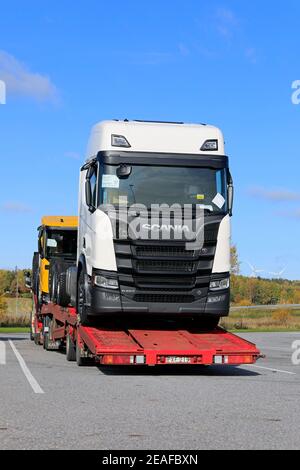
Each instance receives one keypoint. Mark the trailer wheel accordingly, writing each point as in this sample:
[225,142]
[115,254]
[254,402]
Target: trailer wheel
[31,330]
[70,349]
[37,339]
[46,342]
[81,300]
[47,322]
[81,361]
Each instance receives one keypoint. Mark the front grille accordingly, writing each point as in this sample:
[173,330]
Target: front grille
[164,271]
[163,251]
[163,298]
[211,235]
[162,265]
[163,283]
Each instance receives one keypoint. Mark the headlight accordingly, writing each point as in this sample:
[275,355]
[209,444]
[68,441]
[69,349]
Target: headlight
[107,283]
[220,284]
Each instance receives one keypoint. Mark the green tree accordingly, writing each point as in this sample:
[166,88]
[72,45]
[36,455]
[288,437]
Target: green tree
[22,289]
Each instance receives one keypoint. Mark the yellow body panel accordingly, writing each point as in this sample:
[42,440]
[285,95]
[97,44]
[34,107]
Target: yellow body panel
[44,276]
[60,221]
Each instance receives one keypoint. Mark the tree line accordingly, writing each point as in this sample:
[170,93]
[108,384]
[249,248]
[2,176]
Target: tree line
[9,279]
[258,291]
[244,290]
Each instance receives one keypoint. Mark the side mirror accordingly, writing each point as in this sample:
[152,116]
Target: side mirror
[230,193]
[28,281]
[88,196]
[124,171]
[230,198]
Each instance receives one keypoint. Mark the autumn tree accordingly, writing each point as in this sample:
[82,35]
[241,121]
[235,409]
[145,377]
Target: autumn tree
[234,260]
[6,278]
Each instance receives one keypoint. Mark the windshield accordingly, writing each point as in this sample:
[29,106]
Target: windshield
[61,243]
[149,185]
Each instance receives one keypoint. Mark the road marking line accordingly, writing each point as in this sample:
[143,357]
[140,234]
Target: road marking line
[277,349]
[34,385]
[273,370]
[2,353]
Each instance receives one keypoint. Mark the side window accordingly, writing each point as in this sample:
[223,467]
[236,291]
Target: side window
[41,241]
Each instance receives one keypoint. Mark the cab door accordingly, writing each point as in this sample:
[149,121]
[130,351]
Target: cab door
[44,262]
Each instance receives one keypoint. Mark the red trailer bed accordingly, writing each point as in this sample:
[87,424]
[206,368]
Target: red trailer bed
[167,346]
[152,346]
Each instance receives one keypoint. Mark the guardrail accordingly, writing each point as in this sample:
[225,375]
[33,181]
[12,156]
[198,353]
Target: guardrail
[266,307]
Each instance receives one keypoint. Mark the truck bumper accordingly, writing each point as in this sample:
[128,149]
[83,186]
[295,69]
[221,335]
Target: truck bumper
[105,302]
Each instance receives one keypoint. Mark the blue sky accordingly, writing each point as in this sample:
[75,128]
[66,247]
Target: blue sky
[70,64]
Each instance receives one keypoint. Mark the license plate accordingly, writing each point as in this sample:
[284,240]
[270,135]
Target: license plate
[178,360]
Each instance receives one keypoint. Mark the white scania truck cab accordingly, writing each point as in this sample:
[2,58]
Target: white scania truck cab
[154,269]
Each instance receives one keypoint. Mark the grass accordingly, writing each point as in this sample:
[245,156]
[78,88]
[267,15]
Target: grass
[24,306]
[240,321]
[263,320]
[18,329]
[12,319]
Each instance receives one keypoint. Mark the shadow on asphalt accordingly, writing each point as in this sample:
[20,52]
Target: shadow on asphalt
[207,371]
[168,370]
[12,338]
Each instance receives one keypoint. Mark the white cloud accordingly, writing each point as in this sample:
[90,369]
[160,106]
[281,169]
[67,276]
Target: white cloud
[227,22]
[290,214]
[279,195]
[20,80]
[14,207]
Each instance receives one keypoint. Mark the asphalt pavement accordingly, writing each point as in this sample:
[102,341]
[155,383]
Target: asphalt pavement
[49,403]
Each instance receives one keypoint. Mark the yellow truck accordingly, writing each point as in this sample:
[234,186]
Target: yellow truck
[57,249]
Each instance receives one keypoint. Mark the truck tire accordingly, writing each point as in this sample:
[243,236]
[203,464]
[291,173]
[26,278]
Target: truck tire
[70,349]
[38,293]
[53,285]
[63,298]
[35,271]
[58,266]
[81,300]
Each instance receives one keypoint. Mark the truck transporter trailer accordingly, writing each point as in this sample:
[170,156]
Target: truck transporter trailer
[151,278]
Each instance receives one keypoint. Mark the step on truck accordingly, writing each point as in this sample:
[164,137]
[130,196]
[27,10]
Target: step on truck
[152,277]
